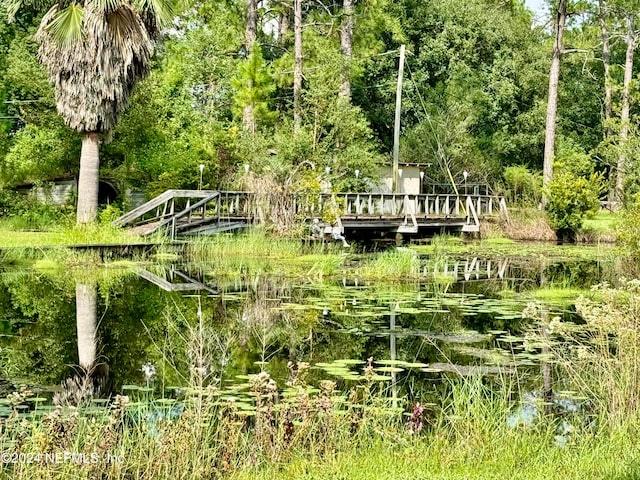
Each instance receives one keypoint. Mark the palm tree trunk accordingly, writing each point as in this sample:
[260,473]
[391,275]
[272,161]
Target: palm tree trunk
[626,104]
[88,181]
[552,103]
[86,310]
[297,68]
[346,45]
[248,118]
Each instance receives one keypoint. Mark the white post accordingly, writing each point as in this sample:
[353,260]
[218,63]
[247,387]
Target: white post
[396,130]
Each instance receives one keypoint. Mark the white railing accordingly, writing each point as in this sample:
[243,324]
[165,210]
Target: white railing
[389,204]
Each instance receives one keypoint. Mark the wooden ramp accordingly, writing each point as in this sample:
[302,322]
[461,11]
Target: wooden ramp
[175,281]
[190,212]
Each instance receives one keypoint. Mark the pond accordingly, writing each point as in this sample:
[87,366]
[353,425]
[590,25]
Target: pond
[160,328]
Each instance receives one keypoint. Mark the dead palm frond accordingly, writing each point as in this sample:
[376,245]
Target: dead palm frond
[94,54]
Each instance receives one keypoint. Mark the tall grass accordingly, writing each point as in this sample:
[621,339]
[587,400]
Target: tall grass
[301,432]
[254,253]
[66,234]
[392,264]
[603,357]
[529,224]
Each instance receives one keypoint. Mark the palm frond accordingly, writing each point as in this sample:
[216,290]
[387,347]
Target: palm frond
[93,78]
[65,25]
[12,7]
[161,10]
[108,5]
[126,27]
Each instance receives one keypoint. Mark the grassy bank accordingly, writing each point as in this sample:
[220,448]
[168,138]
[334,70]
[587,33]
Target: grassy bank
[531,224]
[521,456]
[66,235]
[304,433]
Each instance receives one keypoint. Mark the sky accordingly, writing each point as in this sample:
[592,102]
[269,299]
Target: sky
[538,6]
[540,10]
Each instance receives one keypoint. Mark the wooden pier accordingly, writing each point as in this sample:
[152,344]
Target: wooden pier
[202,212]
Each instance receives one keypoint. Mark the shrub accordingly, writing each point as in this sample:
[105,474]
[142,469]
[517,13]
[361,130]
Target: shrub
[26,212]
[109,213]
[570,199]
[628,230]
[523,187]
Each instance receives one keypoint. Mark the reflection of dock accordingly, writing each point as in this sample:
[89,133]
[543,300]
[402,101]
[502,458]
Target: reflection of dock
[471,269]
[175,281]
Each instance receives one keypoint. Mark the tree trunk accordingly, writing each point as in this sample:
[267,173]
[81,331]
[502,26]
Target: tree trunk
[248,118]
[86,316]
[252,24]
[297,69]
[346,45]
[606,61]
[88,181]
[626,104]
[283,29]
[552,103]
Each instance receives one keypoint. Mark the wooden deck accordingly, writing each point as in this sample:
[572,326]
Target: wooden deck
[205,212]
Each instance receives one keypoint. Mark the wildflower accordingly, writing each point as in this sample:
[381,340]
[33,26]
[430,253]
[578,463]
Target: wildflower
[368,370]
[415,423]
[149,371]
[121,401]
[531,311]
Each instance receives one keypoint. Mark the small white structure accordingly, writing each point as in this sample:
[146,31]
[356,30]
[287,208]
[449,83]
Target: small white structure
[409,179]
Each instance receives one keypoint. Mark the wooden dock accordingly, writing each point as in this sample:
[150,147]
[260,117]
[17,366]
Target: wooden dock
[362,215]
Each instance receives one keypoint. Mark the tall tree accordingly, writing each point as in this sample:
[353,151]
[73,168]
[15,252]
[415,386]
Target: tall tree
[606,61]
[552,100]
[631,40]
[248,118]
[346,45]
[297,66]
[283,22]
[95,51]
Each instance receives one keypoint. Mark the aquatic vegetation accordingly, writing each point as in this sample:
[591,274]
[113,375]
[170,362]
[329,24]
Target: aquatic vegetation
[560,295]
[292,361]
[602,357]
[260,429]
[399,263]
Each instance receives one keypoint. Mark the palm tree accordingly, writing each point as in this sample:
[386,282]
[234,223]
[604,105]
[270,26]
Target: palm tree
[94,52]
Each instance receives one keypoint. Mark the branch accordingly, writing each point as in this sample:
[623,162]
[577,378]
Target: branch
[326,9]
[575,50]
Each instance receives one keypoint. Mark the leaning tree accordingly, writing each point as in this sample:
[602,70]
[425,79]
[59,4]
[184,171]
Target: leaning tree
[94,52]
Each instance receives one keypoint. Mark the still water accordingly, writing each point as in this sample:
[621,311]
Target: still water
[162,327]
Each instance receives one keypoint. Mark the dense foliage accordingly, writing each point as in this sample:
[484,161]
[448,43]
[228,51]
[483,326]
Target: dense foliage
[474,98]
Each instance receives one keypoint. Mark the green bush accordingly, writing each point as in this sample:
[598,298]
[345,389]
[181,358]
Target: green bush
[27,213]
[109,213]
[628,230]
[571,198]
[522,186]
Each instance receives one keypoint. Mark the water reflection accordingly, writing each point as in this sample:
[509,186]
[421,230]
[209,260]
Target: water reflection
[89,379]
[196,327]
[87,323]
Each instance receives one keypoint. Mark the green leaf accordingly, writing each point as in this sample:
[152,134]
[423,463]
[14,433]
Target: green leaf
[66,25]
[162,10]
